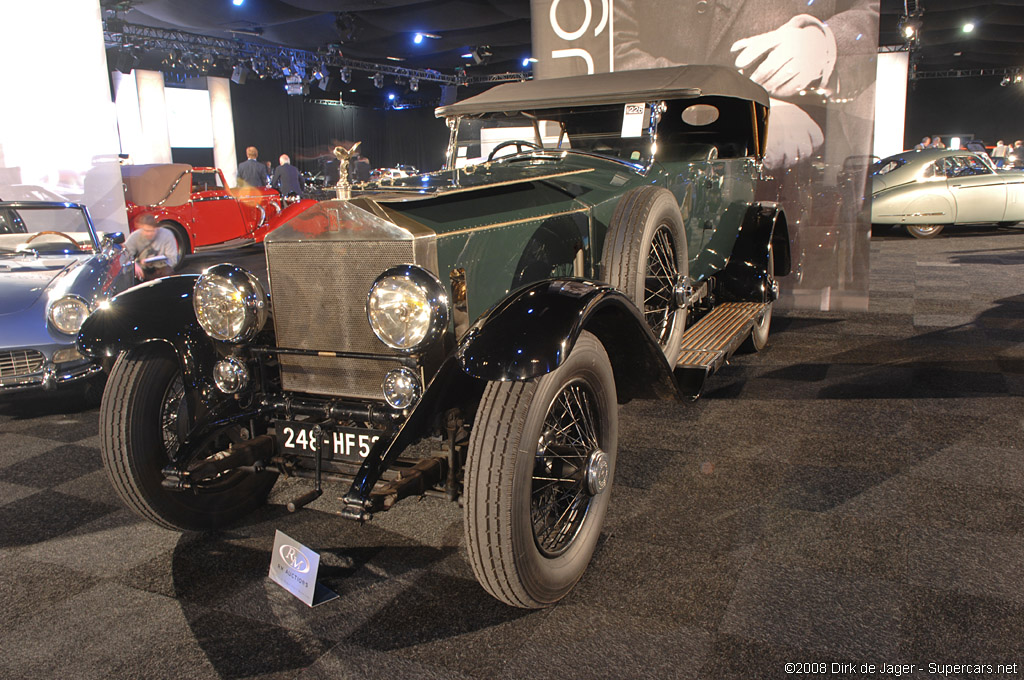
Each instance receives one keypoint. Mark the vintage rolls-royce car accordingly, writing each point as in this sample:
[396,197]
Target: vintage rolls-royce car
[200,209]
[927,190]
[54,269]
[606,246]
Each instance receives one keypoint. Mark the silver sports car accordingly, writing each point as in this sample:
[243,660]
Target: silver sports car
[928,189]
[54,270]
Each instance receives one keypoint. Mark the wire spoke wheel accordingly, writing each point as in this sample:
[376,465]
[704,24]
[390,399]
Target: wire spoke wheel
[144,419]
[559,498]
[173,416]
[645,257]
[659,284]
[538,477]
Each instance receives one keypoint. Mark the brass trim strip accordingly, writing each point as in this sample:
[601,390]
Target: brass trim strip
[539,178]
[482,227]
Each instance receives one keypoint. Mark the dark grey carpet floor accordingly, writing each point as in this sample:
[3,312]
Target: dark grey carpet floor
[854,494]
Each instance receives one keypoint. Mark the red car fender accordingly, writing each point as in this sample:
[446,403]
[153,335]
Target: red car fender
[283,216]
[180,214]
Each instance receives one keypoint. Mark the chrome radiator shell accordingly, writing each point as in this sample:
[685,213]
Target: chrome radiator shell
[320,270]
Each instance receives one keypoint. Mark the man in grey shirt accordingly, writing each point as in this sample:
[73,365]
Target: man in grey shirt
[153,249]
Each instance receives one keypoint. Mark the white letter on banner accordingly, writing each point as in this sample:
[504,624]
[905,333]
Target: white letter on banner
[575,52]
[562,33]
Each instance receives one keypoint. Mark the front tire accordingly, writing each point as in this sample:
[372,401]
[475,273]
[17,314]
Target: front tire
[142,417]
[924,230]
[644,256]
[538,478]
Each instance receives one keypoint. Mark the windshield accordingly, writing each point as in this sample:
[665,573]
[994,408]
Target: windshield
[44,230]
[605,130]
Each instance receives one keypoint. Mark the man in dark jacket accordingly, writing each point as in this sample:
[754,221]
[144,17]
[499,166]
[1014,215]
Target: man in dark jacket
[252,173]
[286,177]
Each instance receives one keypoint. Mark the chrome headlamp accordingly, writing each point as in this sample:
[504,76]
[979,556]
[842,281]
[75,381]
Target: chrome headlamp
[407,308]
[230,303]
[67,314]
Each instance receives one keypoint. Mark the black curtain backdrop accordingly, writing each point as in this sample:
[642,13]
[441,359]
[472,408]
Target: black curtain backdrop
[276,123]
[977,107]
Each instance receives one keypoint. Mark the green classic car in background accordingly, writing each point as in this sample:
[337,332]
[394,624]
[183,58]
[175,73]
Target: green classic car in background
[927,190]
[591,240]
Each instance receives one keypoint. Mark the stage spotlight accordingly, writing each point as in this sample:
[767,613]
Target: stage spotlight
[237,3]
[910,26]
[418,38]
[346,74]
[414,84]
[391,96]
[378,80]
[968,27]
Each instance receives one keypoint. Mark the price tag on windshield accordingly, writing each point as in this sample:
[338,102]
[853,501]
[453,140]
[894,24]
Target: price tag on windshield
[633,120]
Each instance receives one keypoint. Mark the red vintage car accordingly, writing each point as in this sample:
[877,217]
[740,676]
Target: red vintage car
[197,205]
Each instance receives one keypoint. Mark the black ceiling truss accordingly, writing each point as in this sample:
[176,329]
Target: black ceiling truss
[199,53]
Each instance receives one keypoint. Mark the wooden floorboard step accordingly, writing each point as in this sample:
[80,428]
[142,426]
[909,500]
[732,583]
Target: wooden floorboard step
[708,342]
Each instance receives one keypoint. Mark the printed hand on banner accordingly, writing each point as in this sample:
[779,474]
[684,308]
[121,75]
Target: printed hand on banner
[796,55]
[793,136]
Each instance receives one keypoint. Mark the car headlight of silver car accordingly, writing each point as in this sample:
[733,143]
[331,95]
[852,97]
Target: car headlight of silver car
[230,303]
[407,308]
[67,314]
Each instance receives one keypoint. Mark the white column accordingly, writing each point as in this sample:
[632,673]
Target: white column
[129,123]
[890,102]
[156,145]
[224,155]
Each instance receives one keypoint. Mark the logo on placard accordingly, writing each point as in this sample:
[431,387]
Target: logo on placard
[294,558]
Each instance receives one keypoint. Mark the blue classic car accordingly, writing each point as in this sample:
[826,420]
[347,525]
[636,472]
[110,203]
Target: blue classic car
[54,270]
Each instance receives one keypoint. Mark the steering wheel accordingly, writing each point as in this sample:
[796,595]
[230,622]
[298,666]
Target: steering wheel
[33,237]
[520,144]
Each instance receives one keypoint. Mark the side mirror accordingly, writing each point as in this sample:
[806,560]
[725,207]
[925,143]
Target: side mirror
[116,238]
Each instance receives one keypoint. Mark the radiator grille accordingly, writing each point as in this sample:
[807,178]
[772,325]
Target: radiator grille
[20,362]
[319,300]
[337,377]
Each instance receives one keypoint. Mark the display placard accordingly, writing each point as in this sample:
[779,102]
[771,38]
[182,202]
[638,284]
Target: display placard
[633,120]
[293,566]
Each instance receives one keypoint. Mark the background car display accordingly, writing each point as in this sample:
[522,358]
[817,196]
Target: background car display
[501,310]
[54,270]
[197,205]
[927,190]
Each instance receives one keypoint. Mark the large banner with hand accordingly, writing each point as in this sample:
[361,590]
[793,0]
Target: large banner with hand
[817,60]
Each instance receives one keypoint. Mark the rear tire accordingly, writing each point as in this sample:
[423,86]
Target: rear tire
[924,230]
[184,247]
[538,478]
[758,338]
[644,254]
[142,416]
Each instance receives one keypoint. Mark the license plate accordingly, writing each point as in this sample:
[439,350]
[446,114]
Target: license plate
[333,442]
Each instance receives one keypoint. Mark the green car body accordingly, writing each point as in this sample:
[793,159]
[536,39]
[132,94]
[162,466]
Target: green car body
[501,305]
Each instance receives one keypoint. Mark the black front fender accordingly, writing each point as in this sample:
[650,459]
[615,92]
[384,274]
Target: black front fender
[532,331]
[158,311]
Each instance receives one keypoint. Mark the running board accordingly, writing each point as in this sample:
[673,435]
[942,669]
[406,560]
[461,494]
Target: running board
[233,243]
[712,340]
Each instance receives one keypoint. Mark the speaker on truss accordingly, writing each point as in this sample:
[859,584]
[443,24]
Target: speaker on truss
[239,74]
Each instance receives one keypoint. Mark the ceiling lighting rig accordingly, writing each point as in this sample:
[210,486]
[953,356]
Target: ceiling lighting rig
[267,61]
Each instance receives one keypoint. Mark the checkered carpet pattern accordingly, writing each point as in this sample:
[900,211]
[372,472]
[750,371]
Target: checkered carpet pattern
[853,494]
